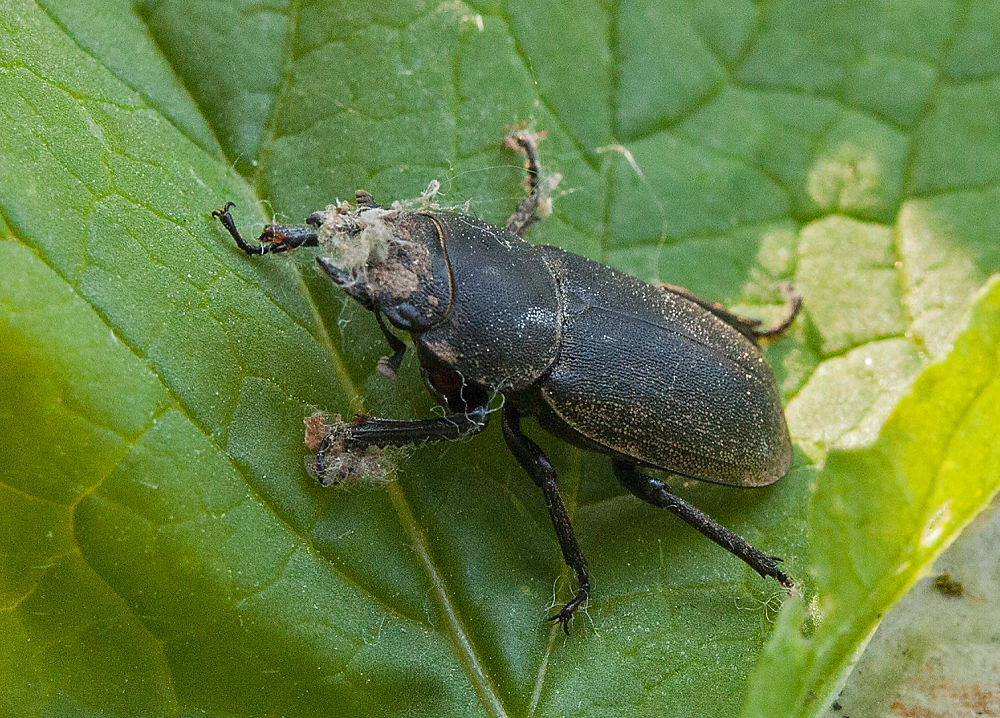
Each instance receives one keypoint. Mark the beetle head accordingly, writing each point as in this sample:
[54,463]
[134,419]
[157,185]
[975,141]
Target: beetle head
[390,260]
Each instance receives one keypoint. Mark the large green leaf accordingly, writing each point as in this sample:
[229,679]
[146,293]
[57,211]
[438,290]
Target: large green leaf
[937,650]
[162,549]
[885,510]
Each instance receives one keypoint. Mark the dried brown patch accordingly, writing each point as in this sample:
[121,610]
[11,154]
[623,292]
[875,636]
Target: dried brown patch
[932,693]
[316,430]
[343,466]
[951,700]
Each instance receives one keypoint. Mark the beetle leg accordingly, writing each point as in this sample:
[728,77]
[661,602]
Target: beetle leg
[525,214]
[372,431]
[538,466]
[275,237]
[656,492]
[750,328]
[389,366]
[794,300]
[365,431]
[744,325]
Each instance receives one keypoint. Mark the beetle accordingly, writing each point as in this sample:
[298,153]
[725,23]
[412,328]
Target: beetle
[653,376]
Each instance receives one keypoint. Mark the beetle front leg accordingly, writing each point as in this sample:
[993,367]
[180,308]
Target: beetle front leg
[656,492]
[365,431]
[526,142]
[389,366]
[538,466]
[275,237]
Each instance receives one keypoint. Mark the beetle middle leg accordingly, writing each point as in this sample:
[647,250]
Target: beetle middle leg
[537,464]
[389,366]
[656,492]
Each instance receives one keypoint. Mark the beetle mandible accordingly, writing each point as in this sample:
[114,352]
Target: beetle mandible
[653,376]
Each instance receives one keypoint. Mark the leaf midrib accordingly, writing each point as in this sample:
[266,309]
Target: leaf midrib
[473,666]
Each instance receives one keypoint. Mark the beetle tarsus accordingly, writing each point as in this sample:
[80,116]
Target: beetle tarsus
[567,611]
[656,492]
[794,303]
[539,468]
[274,239]
[321,468]
[527,142]
[226,218]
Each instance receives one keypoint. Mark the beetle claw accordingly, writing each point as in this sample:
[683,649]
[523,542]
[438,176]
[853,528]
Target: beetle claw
[780,576]
[567,611]
[564,620]
[562,617]
[767,567]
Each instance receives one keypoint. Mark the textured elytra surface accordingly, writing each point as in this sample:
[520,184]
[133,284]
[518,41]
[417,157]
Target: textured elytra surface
[682,390]
[158,528]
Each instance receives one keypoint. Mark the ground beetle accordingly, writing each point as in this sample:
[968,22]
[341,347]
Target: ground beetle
[651,375]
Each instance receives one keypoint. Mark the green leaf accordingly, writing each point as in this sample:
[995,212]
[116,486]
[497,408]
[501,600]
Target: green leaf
[937,648]
[163,550]
[934,465]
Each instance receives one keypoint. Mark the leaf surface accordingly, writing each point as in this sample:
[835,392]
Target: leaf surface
[159,530]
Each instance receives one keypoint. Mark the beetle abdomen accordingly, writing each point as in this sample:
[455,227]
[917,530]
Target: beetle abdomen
[650,375]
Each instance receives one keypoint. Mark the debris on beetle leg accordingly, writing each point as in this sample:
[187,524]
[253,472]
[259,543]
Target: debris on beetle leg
[525,139]
[316,430]
[546,186]
[337,465]
[386,367]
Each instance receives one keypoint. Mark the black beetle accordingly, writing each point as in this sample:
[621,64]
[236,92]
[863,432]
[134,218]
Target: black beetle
[651,375]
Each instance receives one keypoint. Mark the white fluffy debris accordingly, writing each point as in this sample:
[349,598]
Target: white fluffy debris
[353,237]
[341,466]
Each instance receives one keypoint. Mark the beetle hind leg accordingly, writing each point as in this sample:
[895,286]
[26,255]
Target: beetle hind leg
[794,304]
[537,464]
[656,492]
